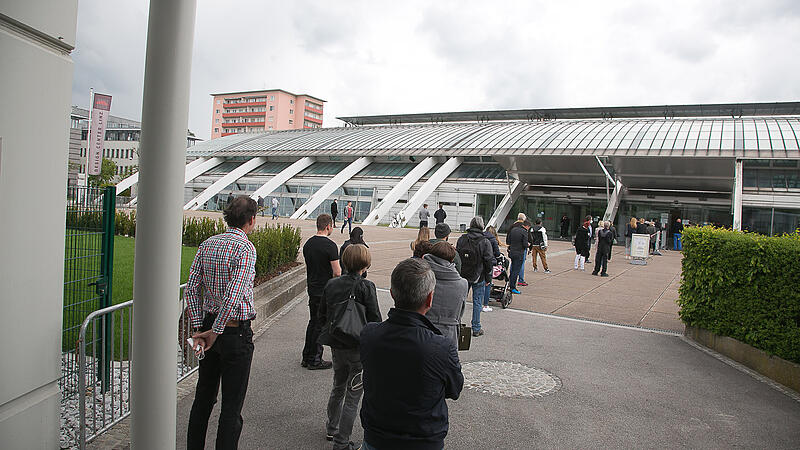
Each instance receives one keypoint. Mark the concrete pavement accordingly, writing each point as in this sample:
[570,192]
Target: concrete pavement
[620,388]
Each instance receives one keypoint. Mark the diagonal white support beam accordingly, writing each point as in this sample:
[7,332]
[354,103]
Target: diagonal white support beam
[605,171]
[193,170]
[383,208]
[416,201]
[223,182]
[133,179]
[613,201]
[335,183]
[285,175]
[506,203]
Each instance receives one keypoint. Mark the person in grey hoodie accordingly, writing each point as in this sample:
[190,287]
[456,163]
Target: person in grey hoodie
[450,292]
[424,214]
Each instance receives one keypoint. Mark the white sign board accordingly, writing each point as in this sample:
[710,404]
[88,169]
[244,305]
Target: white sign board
[640,245]
[97,132]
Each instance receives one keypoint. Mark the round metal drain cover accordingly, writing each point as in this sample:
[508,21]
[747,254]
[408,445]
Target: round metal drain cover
[509,379]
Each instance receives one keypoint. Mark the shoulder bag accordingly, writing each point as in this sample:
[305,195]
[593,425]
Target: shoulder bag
[348,319]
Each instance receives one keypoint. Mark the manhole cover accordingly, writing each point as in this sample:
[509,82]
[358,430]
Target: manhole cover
[508,379]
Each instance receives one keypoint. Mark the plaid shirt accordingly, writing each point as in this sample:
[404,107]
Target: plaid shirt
[225,265]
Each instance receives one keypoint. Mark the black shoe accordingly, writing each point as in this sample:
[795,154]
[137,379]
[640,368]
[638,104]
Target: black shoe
[303,364]
[603,274]
[321,366]
[594,273]
[352,446]
[478,333]
[328,437]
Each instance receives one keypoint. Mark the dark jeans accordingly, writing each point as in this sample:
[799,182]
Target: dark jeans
[333,216]
[600,261]
[423,223]
[229,360]
[349,222]
[516,266]
[312,351]
[343,402]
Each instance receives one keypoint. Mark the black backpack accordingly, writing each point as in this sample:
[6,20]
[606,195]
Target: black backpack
[471,262]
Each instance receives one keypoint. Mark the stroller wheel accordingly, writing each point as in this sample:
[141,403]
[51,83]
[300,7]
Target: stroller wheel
[506,300]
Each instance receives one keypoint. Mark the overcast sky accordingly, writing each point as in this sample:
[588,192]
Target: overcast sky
[384,57]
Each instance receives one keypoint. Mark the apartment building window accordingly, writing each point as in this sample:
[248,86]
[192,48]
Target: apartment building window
[291,121]
[270,118]
[216,130]
[218,102]
[217,111]
[272,98]
[291,111]
[216,120]
[270,127]
[271,108]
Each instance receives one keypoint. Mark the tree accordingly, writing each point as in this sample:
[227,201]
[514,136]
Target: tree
[107,172]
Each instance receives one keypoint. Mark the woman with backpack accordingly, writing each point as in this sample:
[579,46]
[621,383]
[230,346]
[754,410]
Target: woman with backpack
[344,398]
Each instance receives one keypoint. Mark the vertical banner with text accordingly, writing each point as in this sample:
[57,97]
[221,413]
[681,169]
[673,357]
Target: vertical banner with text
[101,105]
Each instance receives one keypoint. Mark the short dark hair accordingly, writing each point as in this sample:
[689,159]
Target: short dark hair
[441,231]
[412,281]
[526,223]
[323,220]
[538,221]
[239,211]
[444,250]
[421,248]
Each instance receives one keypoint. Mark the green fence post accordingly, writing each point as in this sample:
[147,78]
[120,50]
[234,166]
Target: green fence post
[107,273]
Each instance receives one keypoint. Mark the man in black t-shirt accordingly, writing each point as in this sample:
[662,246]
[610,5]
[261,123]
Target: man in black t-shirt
[322,264]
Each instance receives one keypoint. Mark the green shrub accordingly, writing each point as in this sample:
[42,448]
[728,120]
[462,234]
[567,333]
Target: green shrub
[196,230]
[745,286]
[275,246]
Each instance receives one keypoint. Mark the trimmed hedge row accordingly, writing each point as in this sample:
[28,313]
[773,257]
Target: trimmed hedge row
[745,286]
[275,246]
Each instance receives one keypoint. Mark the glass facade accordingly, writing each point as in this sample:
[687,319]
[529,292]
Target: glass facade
[770,221]
[781,174]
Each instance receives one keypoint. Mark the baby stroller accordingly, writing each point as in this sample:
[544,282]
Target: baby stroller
[501,292]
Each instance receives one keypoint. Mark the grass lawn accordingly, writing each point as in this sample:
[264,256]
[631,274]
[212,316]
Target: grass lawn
[122,290]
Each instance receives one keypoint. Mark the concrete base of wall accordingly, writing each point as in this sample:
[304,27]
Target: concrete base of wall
[268,298]
[784,372]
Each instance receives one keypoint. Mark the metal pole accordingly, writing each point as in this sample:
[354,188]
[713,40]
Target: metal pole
[165,114]
[737,195]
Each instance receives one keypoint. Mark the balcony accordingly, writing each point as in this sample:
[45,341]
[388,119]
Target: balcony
[243,124]
[244,114]
[312,119]
[314,110]
[243,104]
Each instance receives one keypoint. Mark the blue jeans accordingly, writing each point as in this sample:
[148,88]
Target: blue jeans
[478,289]
[348,222]
[487,295]
[676,242]
[522,268]
[274,212]
[516,264]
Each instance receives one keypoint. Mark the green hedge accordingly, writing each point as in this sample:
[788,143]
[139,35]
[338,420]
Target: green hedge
[275,246]
[743,285]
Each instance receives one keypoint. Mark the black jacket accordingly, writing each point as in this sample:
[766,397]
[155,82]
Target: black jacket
[678,228]
[487,255]
[336,291]
[517,239]
[605,239]
[582,239]
[440,215]
[334,209]
[495,246]
[409,369]
[641,228]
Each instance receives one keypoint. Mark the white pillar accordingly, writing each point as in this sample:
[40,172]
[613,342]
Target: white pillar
[231,177]
[506,203]
[284,176]
[737,196]
[418,199]
[375,216]
[165,116]
[326,190]
[613,201]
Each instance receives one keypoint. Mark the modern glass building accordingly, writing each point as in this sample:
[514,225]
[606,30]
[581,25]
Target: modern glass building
[726,164]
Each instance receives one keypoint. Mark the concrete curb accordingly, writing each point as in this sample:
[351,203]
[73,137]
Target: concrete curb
[268,298]
[777,369]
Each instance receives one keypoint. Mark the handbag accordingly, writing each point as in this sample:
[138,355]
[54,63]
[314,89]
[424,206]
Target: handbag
[349,319]
[464,336]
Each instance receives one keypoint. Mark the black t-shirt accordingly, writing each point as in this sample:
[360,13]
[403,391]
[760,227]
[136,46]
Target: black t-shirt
[318,252]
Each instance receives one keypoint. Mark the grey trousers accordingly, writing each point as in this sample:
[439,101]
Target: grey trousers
[343,403]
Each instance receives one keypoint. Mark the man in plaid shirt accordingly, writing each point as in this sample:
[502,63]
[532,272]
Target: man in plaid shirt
[219,295]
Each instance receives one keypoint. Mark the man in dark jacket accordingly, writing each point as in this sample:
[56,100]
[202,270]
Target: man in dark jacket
[440,215]
[477,260]
[409,368]
[517,241]
[334,212]
[604,241]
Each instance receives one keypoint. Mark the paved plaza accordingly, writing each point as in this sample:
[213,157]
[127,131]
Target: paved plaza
[536,381]
[632,295]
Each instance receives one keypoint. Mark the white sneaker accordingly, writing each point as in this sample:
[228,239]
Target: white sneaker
[487,309]
[547,271]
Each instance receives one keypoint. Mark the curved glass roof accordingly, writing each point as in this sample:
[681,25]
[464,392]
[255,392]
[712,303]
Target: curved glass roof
[749,137]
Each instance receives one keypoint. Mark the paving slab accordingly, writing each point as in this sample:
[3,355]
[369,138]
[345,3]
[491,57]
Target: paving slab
[618,388]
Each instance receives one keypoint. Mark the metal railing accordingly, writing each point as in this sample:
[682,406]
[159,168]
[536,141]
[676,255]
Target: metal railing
[104,390]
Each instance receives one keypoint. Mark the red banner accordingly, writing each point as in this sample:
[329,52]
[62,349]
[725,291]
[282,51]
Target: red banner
[97,133]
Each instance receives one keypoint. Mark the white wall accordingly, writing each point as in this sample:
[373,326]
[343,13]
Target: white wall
[35,85]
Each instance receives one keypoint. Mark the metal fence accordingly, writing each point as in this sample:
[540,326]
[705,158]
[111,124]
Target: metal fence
[88,269]
[107,334]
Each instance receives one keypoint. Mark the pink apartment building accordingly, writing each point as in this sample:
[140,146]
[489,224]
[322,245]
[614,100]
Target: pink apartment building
[253,111]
